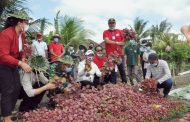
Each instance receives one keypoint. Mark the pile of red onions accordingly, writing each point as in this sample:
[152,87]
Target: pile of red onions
[115,103]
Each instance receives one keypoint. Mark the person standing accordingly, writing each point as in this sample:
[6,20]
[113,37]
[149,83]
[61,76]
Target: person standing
[56,48]
[132,60]
[114,42]
[39,47]
[159,70]
[146,53]
[12,40]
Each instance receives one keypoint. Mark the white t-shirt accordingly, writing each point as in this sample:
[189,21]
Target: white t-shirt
[20,43]
[29,79]
[82,75]
[145,57]
[39,48]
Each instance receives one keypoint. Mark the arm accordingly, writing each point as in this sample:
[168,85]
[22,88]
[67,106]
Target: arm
[5,48]
[108,41]
[97,70]
[186,31]
[26,82]
[51,51]
[42,78]
[46,50]
[167,74]
[139,60]
[125,56]
[63,51]
[81,68]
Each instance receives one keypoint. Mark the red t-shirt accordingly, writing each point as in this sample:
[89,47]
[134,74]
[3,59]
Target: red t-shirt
[57,49]
[117,36]
[99,61]
[9,48]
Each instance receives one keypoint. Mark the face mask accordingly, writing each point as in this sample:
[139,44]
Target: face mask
[154,65]
[112,27]
[148,48]
[68,69]
[99,54]
[56,40]
[26,28]
[71,48]
[82,50]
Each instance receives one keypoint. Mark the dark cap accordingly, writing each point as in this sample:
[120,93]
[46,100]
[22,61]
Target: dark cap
[111,20]
[153,57]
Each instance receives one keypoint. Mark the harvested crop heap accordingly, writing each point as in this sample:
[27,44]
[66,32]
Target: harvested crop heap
[115,103]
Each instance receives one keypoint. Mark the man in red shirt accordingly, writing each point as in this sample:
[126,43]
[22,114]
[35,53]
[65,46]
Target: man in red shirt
[56,48]
[114,41]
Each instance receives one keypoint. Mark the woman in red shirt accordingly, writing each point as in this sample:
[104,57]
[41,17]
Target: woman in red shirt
[12,40]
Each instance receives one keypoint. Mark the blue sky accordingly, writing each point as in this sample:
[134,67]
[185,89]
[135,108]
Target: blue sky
[96,13]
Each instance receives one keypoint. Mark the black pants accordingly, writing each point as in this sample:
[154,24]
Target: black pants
[112,77]
[85,83]
[9,89]
[144,73]
[121,69]
[30,103]
[167,85]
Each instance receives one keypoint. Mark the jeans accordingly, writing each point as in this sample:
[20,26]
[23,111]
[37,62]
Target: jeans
[167,85]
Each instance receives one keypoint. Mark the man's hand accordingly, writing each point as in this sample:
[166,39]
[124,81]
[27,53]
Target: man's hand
[50,86]
[87,67]
[120,43]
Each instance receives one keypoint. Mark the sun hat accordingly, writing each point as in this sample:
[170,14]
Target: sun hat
[66,60]
[56,36]
[89,52]
[20,15]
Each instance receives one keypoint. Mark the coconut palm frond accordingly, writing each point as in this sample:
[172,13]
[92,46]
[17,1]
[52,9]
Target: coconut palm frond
[38,63]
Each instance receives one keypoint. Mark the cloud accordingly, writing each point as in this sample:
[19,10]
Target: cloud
[96,13]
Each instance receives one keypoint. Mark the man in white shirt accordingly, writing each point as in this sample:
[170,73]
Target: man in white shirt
[159,70]
[39,47]
[87,70]
[148,50]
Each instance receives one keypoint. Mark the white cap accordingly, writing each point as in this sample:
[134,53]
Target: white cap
[88,52]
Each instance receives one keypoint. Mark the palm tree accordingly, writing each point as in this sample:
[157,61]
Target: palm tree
[9,6]
[56,22]
[139,27]
[71,30]
[157,30]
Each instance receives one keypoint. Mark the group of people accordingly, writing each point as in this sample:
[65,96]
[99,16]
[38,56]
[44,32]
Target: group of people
[90,62]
